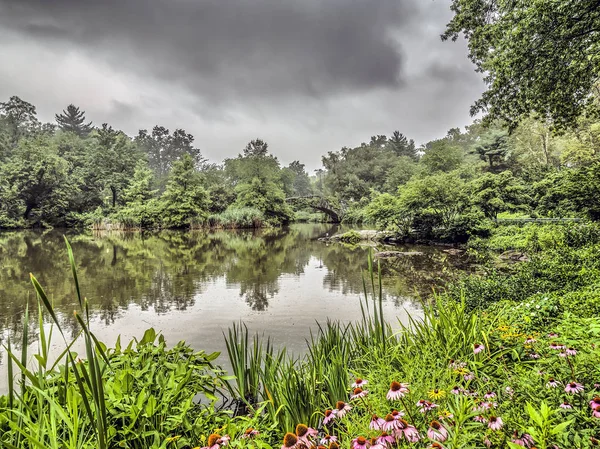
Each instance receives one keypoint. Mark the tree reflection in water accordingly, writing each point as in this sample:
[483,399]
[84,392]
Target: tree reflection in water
[169,271]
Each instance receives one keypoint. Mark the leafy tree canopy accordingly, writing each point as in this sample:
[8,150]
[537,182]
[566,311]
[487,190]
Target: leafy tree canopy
[538,56]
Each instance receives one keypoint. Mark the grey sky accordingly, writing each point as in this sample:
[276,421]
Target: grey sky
[307,76]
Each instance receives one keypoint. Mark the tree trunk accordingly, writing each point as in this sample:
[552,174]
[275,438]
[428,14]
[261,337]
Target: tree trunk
[114,196]
[28,211]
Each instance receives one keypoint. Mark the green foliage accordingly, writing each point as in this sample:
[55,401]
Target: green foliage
[185,199]
[442,155]
[538,56]
[498,193]
[73,120]
[237,218]
[351,237]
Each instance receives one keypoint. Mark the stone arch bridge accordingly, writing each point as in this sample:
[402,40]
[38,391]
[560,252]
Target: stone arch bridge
[329,206]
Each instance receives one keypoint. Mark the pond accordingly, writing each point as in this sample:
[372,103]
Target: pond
[193,285]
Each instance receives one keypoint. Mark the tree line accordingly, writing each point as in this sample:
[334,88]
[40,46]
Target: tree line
[72,173]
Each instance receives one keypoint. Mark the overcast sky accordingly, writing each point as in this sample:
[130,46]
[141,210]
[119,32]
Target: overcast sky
[307,76]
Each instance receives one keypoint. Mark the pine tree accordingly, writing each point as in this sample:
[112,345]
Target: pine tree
[73,120]
[402,146]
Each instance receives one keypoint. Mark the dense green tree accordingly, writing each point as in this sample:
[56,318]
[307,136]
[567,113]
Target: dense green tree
[353,172]
[495,193]
[163,148]
[300,181]
[37,177]
[400,173]
[443,195]
[73,120]
[185,199]
[20,118]
[114,156]
[538,56]
[571,192]
[140,189]
[493,147]
[259,182]
[441,155]
[256,147]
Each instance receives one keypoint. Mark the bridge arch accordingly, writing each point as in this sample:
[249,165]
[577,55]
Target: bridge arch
[319,203]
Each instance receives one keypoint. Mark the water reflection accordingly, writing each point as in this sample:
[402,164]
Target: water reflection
[186,273]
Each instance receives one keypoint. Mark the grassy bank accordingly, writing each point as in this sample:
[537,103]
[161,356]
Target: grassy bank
[462,377]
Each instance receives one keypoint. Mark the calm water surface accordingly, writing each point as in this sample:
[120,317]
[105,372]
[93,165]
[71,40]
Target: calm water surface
[192,285]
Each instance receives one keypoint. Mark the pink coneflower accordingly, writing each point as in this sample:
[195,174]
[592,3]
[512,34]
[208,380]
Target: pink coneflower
[524,440]
[215,441]
[397,415]
[328,439]
[375,445]
[552,335]
[391,423]
[534,355]
[552,383]
[495,423]
[468,377]
[571,351]
[565,405]
[426,406]
[595,402]
[411,434]
[341,408]
[596,412]
[359,383]
[471,393]
[359,393]
[435,445]
[397,390]
[509,391]
[360,443]
[305,434]
[386,439]
[530,341]
[329,416]
[290,441]
[456,390]
[574,387]
[376,423]
[489,395]
[480,418]
[250,433]
[477,348]
[557,346]
[437,432]
[487,405]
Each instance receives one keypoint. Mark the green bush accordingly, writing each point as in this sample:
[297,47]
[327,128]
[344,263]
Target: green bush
[351,237]
[237,218]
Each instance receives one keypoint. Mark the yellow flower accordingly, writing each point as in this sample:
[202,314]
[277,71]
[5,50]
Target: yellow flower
[445,414]
[461,371]
[436,394]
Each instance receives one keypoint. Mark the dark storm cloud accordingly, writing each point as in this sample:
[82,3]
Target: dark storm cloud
[227,48]
[308,76]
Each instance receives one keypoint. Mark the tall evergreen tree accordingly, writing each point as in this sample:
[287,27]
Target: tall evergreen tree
[73,120]
[400,145]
